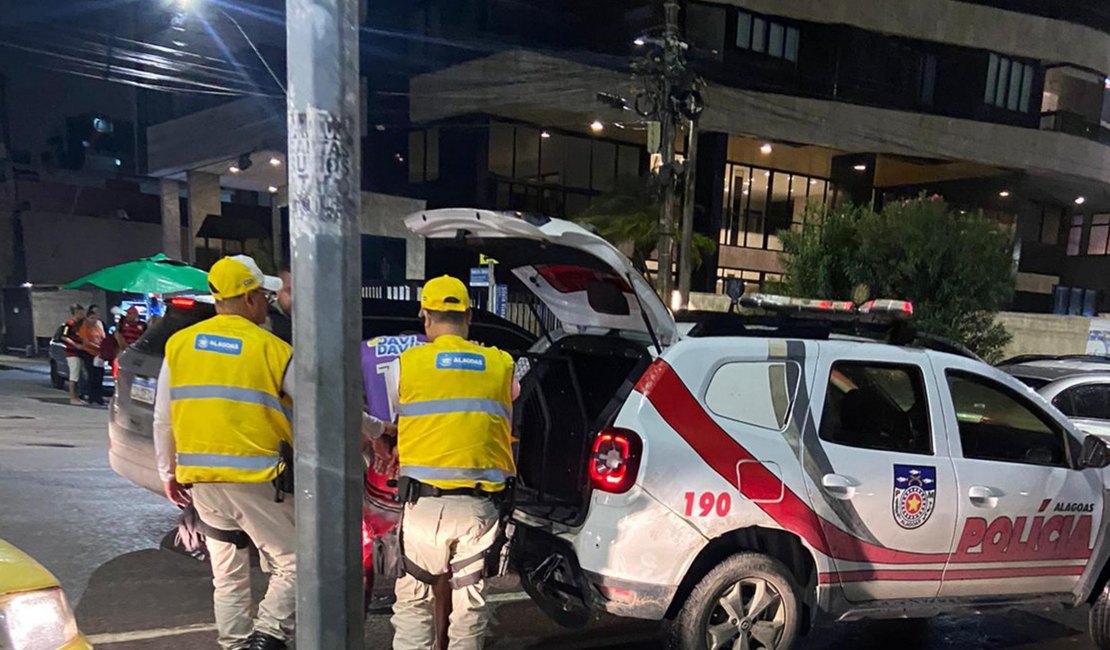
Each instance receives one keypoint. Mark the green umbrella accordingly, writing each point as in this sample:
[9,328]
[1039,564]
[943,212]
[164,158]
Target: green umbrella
[158,274]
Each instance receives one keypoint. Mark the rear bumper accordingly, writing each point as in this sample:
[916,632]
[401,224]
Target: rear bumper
[551,574]
[132,456]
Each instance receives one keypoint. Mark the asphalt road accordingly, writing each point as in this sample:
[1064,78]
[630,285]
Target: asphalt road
[101,536]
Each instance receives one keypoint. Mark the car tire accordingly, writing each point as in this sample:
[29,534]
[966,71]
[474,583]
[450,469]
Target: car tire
[56,380]
[723,605]
[1098,620]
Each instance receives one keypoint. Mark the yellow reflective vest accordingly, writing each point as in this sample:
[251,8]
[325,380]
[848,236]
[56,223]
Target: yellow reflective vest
[455,424]
[228,412]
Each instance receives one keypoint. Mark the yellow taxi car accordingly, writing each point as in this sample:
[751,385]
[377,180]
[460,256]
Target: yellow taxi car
[34,613]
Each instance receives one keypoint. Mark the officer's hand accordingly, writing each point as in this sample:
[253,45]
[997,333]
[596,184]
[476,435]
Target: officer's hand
[383,453]
[177,493]
[394,465]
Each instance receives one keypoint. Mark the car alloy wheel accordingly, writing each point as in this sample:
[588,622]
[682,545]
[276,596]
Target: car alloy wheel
[748,615]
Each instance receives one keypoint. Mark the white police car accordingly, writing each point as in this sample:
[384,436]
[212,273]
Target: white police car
[762,472]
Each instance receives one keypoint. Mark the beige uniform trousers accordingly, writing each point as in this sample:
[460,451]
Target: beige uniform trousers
[250,507]
[438,532]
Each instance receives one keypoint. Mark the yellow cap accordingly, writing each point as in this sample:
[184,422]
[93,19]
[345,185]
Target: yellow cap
[237,275]
[445,293]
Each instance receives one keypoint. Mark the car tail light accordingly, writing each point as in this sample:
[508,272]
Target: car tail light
[615,460]
[183,303]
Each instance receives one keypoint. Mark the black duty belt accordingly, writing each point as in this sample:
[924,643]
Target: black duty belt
[426,490]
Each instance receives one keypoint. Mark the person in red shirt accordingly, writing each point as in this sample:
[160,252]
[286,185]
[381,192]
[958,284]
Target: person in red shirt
[130,328]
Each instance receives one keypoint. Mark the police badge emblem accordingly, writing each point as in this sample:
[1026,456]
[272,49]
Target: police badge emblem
[915,491]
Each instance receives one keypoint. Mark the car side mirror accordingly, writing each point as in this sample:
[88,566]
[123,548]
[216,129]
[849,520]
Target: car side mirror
[1095,454]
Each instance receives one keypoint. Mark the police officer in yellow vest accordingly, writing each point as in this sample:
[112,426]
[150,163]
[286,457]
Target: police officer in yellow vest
[454,447]
[224,407]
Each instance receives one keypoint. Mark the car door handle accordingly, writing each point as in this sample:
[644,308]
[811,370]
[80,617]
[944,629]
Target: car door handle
[983,496]
[838,486]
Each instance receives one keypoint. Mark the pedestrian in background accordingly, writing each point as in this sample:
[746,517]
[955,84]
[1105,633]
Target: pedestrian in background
[92,335]
[130,328]
[222,412]
[71,337]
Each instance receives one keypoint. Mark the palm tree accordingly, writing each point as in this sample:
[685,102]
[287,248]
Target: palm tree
[630,217]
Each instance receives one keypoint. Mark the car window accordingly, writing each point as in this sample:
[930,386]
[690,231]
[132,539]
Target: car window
[754,392]
[998,424]
[1088,401]
[877,406]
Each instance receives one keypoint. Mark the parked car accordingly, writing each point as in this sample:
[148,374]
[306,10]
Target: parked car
[34,612]
[779,467]
[1078,385]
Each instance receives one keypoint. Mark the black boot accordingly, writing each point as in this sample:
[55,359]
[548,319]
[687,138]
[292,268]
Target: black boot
[262,641]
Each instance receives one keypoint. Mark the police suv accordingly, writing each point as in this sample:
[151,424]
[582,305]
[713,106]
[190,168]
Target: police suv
[805,460]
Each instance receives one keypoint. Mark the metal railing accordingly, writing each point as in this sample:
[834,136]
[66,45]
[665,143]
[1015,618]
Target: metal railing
[522,308]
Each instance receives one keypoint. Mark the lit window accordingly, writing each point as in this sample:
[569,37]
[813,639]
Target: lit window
[1075,234]
[775,39]
[1009,84]
[1100,233]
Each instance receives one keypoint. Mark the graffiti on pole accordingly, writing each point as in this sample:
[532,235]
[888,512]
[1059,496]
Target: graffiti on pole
[322,178]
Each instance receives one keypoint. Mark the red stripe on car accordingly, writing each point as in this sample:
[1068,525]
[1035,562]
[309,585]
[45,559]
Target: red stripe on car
[662,386]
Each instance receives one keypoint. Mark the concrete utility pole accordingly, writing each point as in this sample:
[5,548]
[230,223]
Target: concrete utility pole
[324,185]
[686,244]
[665,251]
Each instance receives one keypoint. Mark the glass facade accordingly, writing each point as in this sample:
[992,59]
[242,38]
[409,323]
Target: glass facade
[761,202]
[555,173]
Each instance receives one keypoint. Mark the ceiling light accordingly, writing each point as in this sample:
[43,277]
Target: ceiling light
[813,181]
[545,134]
[639,41]
[596,126]
[860,168]
[765,149]
[1079,200]
[273,190]
[275,161]
[1004,193]
[233,169]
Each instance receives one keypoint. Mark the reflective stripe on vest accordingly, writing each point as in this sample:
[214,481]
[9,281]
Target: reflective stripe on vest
[227,461]
[492,475]
[450,406]
[232,393]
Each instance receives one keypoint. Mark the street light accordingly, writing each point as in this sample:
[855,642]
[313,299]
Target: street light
[275,161]
[1079,200]
[1004,193]
[596,126]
